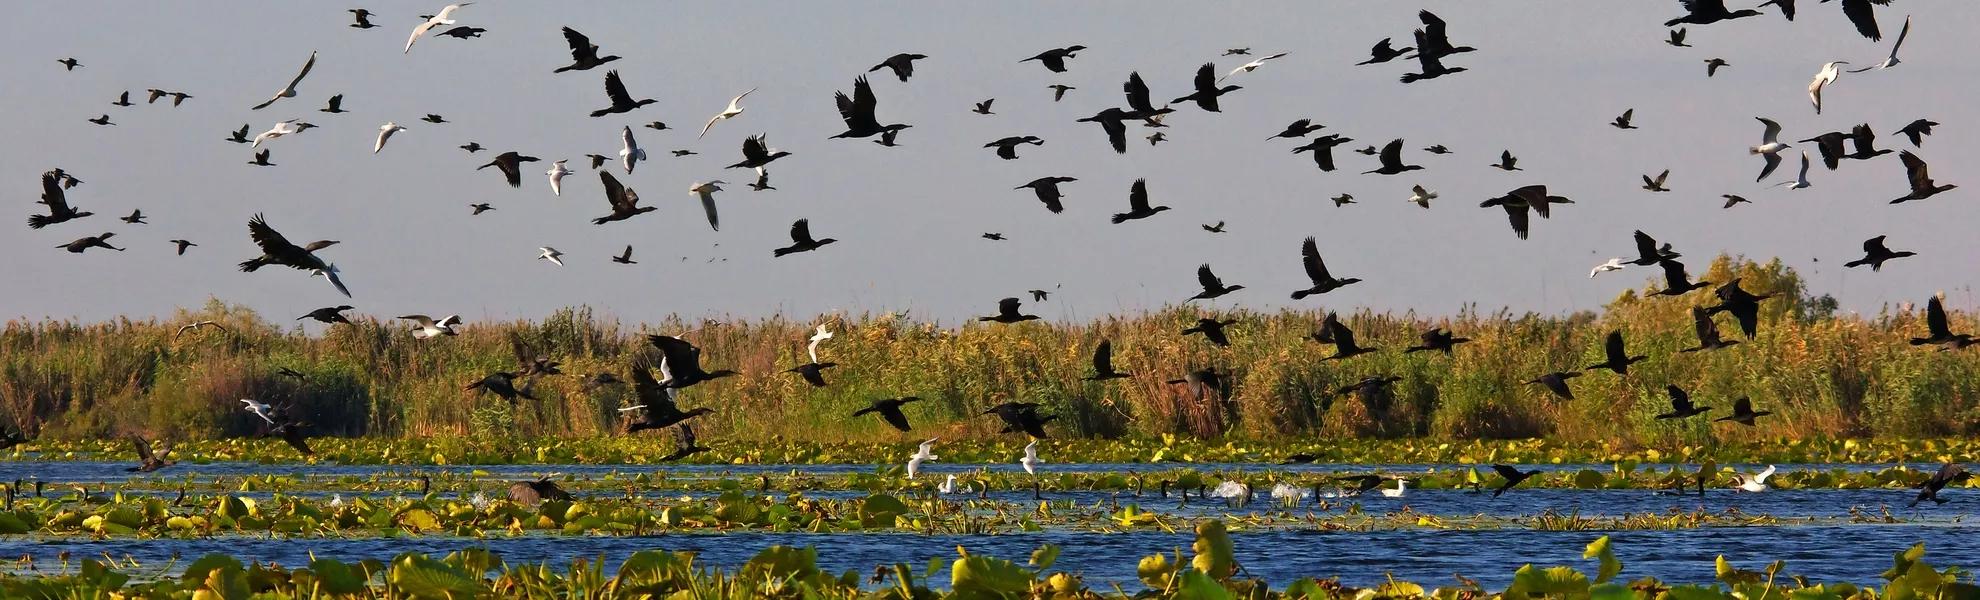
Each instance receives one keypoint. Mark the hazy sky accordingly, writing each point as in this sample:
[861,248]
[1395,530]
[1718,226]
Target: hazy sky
[1546,79]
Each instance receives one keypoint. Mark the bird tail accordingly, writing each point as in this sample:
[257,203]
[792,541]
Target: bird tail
[781,251]
[1300,295]
[1411,77]
[1120,218]
[251,265]
[39,221]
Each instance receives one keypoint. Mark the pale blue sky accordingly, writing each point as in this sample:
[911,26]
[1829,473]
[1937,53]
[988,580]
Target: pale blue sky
[1546,79]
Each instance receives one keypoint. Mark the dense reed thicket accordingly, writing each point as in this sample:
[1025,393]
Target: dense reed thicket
[1821,374]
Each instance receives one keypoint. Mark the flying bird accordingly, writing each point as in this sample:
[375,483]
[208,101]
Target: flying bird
[328,315]
[329,273]
[1430,63]
[1383,52]
[1437,339]
[1708,332]
[1206,94]
[276,250]
[983,108]
[706,191]
[1322,148]
[363,18]
[69,63]
[1007,146]
[1677,38]
[902,64]
[1916,129]
[261,159]
[1616,357]
[290,90]
[925,453]
[1732,199]
[1614,264]
[1744,306]
[1892,60]
[1055,59]
[103,120]
[1507,162]
[1212,286]
[1421,197]
[625,258]
[1864,17]
[385,133]
[1676,281]
[629,151]
[734,110]
[1514,476]
[1519,201]
[1250,66]
[1874,254]
[445,17]
[1138,207]
[1656,184]
[1103,363]
[1433,38]
[624,201]
[1743,413]
[622,102]
[1681,405]
[1769,148]
[336,105]
[502,384]
[552,255]
[148,459]
[1007,312]
[182,244]
[890,411]
[584,54]
[1706,12]
[1212,330]
[1343,340]
[801,240]
[1947,474]
[1712,66]
[239,136]
[1047,190]
[682,362]
[1218,228]
[757,154]
[1623,122]
[1316,272]
[557,172]
[1391,158]
[55,196]
[289,127]
[1298,129]
[656,407]
[510,164]
[1823,79]
[464,32]
[1059,91]
[1556,383]
[1922,186]
[428,328]
[1800,180]
[1648,253]
[858,112]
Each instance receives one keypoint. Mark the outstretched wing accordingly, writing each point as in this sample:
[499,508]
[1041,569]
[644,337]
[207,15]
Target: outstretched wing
[1310,256]
[615,90]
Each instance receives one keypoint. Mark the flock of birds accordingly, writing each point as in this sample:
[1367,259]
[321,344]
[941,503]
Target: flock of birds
[679,361]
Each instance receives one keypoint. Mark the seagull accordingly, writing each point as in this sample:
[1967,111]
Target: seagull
[1391,158]
[1250,66]
[196,326]
[1915,129]
[801,241]
[1657,184]
[1712,66]
[1421,196]
[629,151]
[707,193]
[584,54]
[1892,61]
[1316,271]
[622,102]
[336,105]
[925,453]
[557,173]
[290,91]
[1614,264]
[1054,59]
[1383,52]
[259,409]
[1507,162]
[1681,405]
[1622,122]
[1743,413]
[510,164]
[1801,180]
[385,133]
[1754,483]
[1770,146]
[1823,78]
[1874,254]
[1030,460]
[183,245]
[552,255]
[329,273]
[363,18]
[280,129]
[430,328]
[1922,186]
[446,17]
[733,111]
[821,335]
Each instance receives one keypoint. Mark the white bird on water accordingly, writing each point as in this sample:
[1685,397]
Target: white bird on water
[1755,483]
[729,113]
[1893,60]
[630,152]
[914,460]
[707,193]
[1030,460]
[1614,264]
[822,335]
[1800,181]
[1770,146]
[260,409]
[329,272]
[385,133]
[429,328]
[1422,197]
[557,174]
[552,255]
[1823,79]
[290,91]
[446,17]
[280,129]
[1402,487]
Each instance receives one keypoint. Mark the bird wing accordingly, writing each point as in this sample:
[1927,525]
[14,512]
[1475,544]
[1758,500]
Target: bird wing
[1773,130]
[1008,306]
[58,200]
[1207,279]
[450,321]
[711,123]
[1900,41]
[267,238]
[143,448]
[1914,170]
[1742,406]
[1673,272]
[1206,78]
[1316,269]
[1516,214]
[1874,245]
[1103,357]
[801,234]
[1864,17]
[525,355]
[1392,154]
[893,415]
[1509,473]
[1935,318]
[754,148]
[1506,157]
[864,100]
[1703,325]
[1343,337]
[1137,93]
[1031,452]
[305,72]
[418,31]
[335,281]
[1680,401]
[1434,32]
[1773,162]
[581,47]
[708,206]
[615,192]
[615,89]
[659,403]
[1613,347]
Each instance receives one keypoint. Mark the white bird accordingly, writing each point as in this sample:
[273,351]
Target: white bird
[330,272]
[1286,492]
[1030,460]
[557,174]
[385,133]
[629,153]
[821,336]
[914,460]
[428,328]
[1755,483]
[1800,181]
[707,193]
[552,255]
[1614,264]
[948,486]
[1893,60]
[1250,66]
[280,129]
[1422,197]
[732,111]
[290,91]
[260,409]
[1824,78]
[1402,487]
[1769,146]
[446,17]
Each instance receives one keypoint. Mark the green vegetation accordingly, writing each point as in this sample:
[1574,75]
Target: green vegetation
[1823,375]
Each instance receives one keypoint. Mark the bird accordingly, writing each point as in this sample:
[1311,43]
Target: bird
[858,112]
[1614,264]
[179,98]
[1218,228]
[889,410]
[1916,129]
[902,64]
[464,32]
[731,112]
[1937,330]
[1156,138]
[291,433]
[994,237]
[196,326]
[1059,91]
[480,208]
[1946,475]
[1007,146]
[1864,17]
[363,18]
[428,328]
[1743,413]
[1786,6]
[1047,190]
[1437,339]
[812,372]
[54,194]
[552,255]
[656,407]
[1430,63]
[1708,332]
[1616,359]
[801,240]
[1823,79]
[1557,383]
[385,133]
[123,99]
[624,201]
[1800,180]
[1298,129]
[1212,286]
[823,333]
[1206,93]
[1322,148]
[1368,385]
[1039,295]
[261,159]
[1874,254]
[1021,417]
[148,459]
[103,120]
[445,17]
[1007,312]
[1433,38]
[1517,202]
[1706,12]
[1402,487]
[1657,184]
[1212,330]
[1250,66]
[1648,253]
[328,315]
[1514,476]
[983,108]
[757,153]
[1733,199]
[1623,122]
[290,90]
[923,454]
[684,443]
[629,151]
[1753,483]
[1238,52]
[1922,186]
[291,126]
[706,191]
[1892,60]
[1138,207]
[1383,52]
[182,244]
[1744,306]
[622,102]
[1112,120]
[1030,460]
[556,173]
[291,373]
[69,63]
[762,182]
[1392,160]
[510,164]
[1681,405]
[584,54]
[336,105]
[239,136]
[259,409]
[656,126]
[1769,148]
[625,258]
[1677,38]
[1676,281]
[1712,66]
[887,138]
[1507,162]
[433,118]
[1421,196]
[502,384]
[1316,272]
[1055,59]
[1103,363]
[1343,340]
[153,94]
[95,241]
[682,364]
[531,493]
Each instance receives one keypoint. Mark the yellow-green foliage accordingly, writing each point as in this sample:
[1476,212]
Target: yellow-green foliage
[1821,374]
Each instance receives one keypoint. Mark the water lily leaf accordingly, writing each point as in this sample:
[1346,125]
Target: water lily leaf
[1599,550]
[1902,561]
[979,576]
[1044,556]
[1196,585]
[99,574]
[1214,551]
[1693,592]
[419,519]
[1611,591]
[1155,571]
[199,568]
[1306,588]
[10,524]
[934,565]
[1734,576]
[423,577]
[1557,581]
[226,584]
[1588,479]
[338,578]
[779,562]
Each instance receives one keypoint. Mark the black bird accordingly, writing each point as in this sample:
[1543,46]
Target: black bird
[70,63]
[1712,66]
[182,244]
[103,120]
[858,112]
[1382,53]
[1743,413]
[1369,384]
[1831,145]
[1917,129]
[1437,338]
[994,237]
[1787,7]
[656,402]
[1430,64]
[656,126]
[1656,184]
[622,102]
[757,153]
[95,241]
[801,240]
[1238,52]
[1047,189]
[480,208]
[1362,483]
[601,379]
[1370,151]
[1681,406]
[1112,120]
[1513,476]
[1212,286]
[276,250]
[1039,295]
[1556,382]
[1103,363]
[261,159]
[983,108]
[1922,186]
[1648,253]
[1947,474]
[1433,39]
[762,182]
[1207,92]
[1218,228]
[12,438]
[584,54]
[1323,150]
[1745,307]
[240,136]
[1316,271]
[625,258]
[679,153]
[510,163]
[136,218]
[433,118]
[886,138]
[328,315]
[1206,379]
[123,100]
[1517,202]
[1139,104]
[1863,16]
[1055,59]
[1677,39]
[363,18]
[153,94]
[889,409]
[336,106]
[464,32]
[1936,329]
[1622,122]
[148,460]
[1298,129]
[1865,142]
[1392,160]
[1007,312]
[502,384]
[1343,340]
[902,65]
[291,433]
[179,97]
[1007,147]
[683,362]
[473,147]
[1874,254]
[1706,12]
[57,199]
[1616,358]
[684,444]
[1507,162]
[813,373]
[1021,417]
[529,364]
[1676,281]
[1325,334]
[1138,207]
[1212,330]
[291,373]
[1708,332]
[1734,199]
[530,493]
